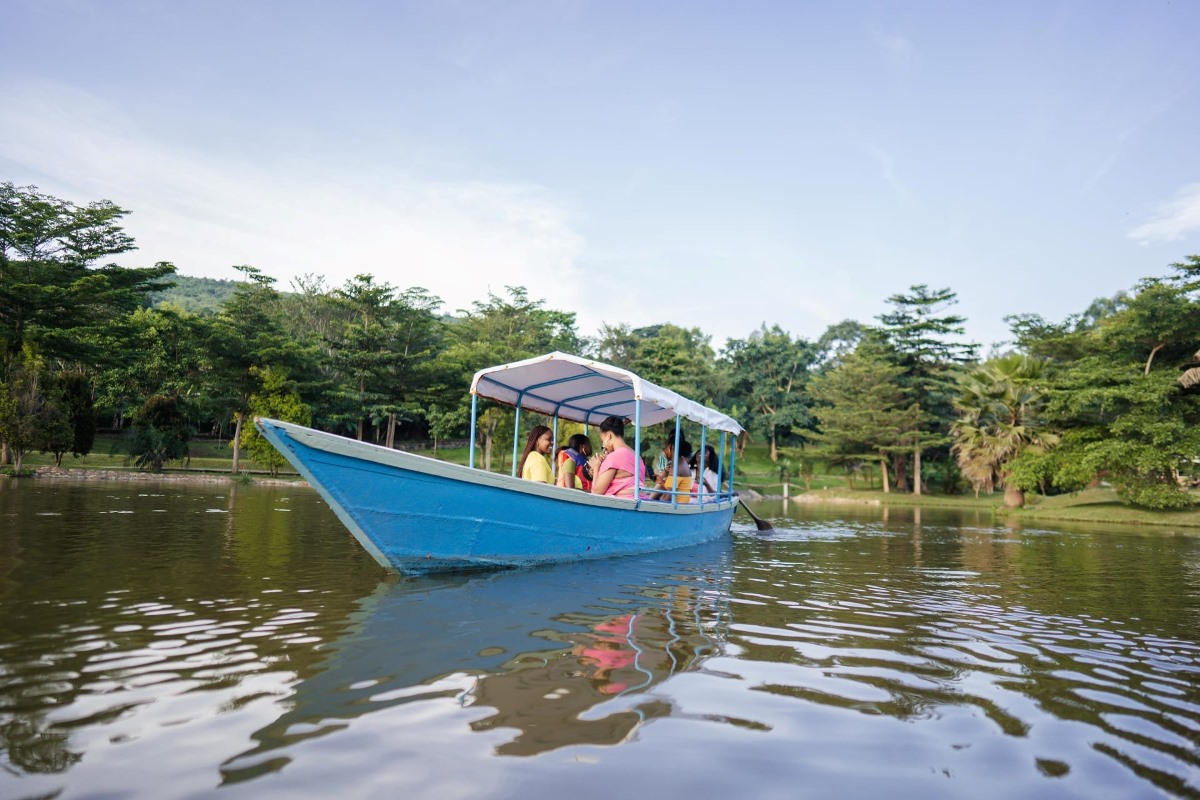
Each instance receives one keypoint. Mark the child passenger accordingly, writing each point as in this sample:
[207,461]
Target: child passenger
[533,465]
[573,470]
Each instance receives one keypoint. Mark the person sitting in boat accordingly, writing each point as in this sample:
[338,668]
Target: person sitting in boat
[613,475]
[573,470]
[533,465]
[666,480]
[708,477]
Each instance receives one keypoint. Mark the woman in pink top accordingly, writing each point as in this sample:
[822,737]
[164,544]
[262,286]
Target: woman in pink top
[613,475]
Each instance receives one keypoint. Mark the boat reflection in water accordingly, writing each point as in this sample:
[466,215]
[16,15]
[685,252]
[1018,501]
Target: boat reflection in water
[546,648]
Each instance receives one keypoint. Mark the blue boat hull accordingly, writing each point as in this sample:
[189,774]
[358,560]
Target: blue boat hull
[417,515]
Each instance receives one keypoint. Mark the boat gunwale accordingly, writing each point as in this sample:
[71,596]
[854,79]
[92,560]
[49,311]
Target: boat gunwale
[400,459]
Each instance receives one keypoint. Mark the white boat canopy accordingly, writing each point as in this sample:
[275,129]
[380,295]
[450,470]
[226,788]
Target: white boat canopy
[583,390]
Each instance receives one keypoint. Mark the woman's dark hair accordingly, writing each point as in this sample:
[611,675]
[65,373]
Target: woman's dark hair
[710,458]
[685,449]
[577,442]
[613,425]
[531,445]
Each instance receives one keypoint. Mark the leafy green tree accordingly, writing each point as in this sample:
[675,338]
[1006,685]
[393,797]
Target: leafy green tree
[54,294]
[919,336]
[244,338]
[999,407]
[444,423]
[1137,430]
[769,372]
[52,290]
[276,399]
[362,353]
[840,340]
[1117,396]
[155,351]
[76,392]
[679,359]
[500,330]
[864,412]
[160,432]
[417,378]
[23,402]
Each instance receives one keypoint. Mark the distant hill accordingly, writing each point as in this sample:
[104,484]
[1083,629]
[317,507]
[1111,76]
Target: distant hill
[195,295]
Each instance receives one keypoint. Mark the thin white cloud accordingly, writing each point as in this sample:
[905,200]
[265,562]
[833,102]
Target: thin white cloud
[888,166]
[1173,219]
[296,215]
[898,49]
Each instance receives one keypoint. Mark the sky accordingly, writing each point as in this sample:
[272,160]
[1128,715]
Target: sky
[711,164]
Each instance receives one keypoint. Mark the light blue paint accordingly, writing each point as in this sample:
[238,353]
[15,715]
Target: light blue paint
[415,514]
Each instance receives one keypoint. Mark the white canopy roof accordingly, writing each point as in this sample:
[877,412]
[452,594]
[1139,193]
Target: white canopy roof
[588,391]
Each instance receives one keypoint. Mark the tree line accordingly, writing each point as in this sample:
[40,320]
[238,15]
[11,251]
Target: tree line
[1111,393]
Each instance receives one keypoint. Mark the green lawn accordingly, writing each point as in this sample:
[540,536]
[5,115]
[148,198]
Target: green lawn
[1102,505]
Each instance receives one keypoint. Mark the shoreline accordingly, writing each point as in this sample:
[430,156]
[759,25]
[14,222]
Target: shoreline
[1087,509]
[137,476]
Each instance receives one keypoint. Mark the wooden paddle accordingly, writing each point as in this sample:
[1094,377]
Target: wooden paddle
[761,524]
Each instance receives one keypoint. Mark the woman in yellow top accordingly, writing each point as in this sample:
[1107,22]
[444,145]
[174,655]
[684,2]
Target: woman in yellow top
[533,465]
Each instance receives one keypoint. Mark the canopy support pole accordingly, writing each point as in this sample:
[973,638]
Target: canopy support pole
[553,460]
[701,462]
[637,452]
[732,462]
[721,465]
[675,467]
[471,457]
[517,434]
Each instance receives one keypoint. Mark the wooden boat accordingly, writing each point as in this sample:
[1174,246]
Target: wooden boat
[417,514]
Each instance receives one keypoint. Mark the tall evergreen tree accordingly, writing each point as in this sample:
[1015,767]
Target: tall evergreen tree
[863,411]
[920,337]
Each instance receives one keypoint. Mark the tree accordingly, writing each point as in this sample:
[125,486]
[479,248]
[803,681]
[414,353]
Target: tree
[23,405]
[505,329]
[679,359]
[244,338]
[68,423]
[1116,395]
[840,340]
[769,372]
[999,407]
[416,377]
[52,292]
[361,353]
[919,336]
[155,351]
[276,399]
[160,432]
[863,411]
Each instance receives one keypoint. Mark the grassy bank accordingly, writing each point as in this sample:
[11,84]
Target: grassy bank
[756,472]
[1102,505]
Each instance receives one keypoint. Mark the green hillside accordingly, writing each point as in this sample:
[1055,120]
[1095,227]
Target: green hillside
[195,295]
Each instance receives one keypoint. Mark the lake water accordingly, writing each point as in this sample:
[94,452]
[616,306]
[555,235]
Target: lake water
[166,640]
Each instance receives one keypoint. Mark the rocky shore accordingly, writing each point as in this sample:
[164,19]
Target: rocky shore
[160,477]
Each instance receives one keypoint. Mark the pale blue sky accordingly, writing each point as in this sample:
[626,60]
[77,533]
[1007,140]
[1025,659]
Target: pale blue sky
[779,162]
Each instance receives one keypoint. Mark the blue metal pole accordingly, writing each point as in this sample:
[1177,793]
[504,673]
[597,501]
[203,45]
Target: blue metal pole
[553,446]
[637,453]
[720,464]
[675,467]
[732,462]
[471,457]
[700,464]
[516,439]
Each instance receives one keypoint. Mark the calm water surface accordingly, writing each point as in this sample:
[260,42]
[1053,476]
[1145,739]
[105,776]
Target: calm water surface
[162,640]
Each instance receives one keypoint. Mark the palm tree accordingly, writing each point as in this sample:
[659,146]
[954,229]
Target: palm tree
[999,404]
